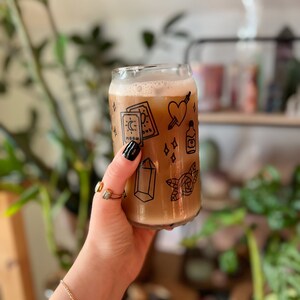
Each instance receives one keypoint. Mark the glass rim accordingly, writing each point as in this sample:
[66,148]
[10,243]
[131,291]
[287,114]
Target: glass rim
[150,67]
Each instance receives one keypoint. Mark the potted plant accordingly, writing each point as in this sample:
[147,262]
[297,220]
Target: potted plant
[69,181]
[275,263]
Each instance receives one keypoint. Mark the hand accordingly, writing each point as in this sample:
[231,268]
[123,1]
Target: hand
[110,233]
[114,251]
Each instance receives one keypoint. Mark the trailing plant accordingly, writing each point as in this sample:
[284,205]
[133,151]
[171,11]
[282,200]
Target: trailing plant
[276,266]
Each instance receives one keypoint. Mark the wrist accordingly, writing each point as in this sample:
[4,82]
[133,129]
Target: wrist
[92,277]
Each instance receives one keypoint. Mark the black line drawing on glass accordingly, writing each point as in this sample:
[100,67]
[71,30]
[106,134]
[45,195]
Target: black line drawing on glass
[177,111]
[145,180]
[114,106]
[190,139]
[131,128]
[166,150]
[147,127]
[115,131]
[174,143]
[183,186]
[173,157]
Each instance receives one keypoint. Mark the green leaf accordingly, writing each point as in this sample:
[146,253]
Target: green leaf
[3,87]
[60,202]
[45,2]
[270,174]
[40,48]
[96,32]
[6,62]
[148,38]
[172,21]
[228,262]
[77,39]
[60,49]
[272,275]
[214,222]
[8,24]
[6,167]
[28,195]
[10,163]
[27,82]
[34,116]
[11,187]
[106,46]
[294,282]
[229,218]
[256,266]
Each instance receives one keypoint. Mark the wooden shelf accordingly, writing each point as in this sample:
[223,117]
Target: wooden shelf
[256,119]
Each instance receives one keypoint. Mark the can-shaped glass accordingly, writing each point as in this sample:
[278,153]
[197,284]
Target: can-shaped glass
[157,107]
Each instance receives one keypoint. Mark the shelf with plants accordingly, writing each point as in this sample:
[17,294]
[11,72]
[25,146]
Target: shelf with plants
[253,119]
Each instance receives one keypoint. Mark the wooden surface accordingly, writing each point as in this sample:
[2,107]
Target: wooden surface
[256,119]
[15,275]
[167,272]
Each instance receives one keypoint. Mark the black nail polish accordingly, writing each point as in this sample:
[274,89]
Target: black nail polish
[131,151]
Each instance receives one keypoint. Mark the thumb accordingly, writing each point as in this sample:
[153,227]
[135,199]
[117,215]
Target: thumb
[121,168]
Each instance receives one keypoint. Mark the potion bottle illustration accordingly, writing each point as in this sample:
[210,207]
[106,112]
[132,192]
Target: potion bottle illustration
[191,138]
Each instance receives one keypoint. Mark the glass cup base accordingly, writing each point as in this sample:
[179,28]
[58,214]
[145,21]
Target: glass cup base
[164,226]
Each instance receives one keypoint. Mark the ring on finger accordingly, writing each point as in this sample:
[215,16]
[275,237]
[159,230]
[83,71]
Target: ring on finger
[108,193]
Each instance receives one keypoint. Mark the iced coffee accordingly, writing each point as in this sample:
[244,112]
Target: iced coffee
[156,106]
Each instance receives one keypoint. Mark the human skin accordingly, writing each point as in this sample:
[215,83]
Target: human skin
[114,250]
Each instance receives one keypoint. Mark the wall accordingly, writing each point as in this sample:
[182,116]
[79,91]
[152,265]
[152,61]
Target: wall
[124,21]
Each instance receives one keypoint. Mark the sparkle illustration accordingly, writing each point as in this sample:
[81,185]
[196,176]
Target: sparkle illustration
[194,107]
[174,143]
[166,150]
[173,158]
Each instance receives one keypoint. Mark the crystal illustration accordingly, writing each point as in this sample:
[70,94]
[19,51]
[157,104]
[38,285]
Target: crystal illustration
[145,180]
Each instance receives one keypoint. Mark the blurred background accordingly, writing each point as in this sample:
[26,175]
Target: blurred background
[55,60]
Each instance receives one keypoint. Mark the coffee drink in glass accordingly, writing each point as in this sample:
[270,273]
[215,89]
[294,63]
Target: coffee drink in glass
[157,107]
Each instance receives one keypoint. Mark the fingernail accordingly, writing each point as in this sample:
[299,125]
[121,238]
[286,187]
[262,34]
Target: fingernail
[131,151]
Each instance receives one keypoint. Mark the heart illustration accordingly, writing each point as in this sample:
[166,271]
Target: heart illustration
[177,112]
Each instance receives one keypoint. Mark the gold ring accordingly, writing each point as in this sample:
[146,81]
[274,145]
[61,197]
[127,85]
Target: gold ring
[108,193]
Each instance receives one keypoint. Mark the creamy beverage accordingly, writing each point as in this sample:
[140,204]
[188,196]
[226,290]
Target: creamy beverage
[156,106]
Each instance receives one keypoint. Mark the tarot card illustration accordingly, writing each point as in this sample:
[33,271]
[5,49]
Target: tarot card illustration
[138,123]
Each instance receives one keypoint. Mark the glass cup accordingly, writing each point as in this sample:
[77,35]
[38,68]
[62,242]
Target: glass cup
[157,107]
